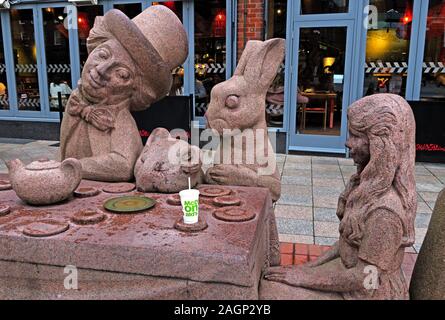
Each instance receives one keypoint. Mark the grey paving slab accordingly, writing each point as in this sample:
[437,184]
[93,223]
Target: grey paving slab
[324,160]
[325,215]
[325,241]
[298,159]
[422,207]
[296,227]
[294,212]
[428,184]
[326,229]
[423,220]
[429,196]
[297,166]
[335,183]
[291,238]
[420,235]
[296,180]
[296,195]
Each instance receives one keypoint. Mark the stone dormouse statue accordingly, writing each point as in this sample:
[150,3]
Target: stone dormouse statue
[129,67]
[239,104]
[376,211]
[166,163]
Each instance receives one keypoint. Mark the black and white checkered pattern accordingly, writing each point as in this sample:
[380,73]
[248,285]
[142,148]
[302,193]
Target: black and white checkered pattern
[58,68]
[433,67]
[386,67]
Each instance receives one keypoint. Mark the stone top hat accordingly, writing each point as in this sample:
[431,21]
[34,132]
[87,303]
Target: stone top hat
[155,39]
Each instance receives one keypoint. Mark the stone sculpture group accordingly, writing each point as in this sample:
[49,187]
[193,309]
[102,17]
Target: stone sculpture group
[129,68]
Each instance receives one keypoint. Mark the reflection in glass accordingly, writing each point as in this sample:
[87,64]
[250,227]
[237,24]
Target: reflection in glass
[130,9]
[433,80]
[85,22]
[4,102]
[387,48]
[177,88]
[57,51]
[210,50]
[25,58]
[276,28]
[320,80]
[324,6]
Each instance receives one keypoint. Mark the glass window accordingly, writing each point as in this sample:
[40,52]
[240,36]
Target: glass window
[25,58]
[177,88]
[4,103]
[324,6]
[130,9]
[320,80]
[387,48]
[57,50]
[433,80]
[210,50]
[85,22]
[276,28]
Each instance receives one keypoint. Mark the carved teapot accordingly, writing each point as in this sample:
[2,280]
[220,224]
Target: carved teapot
[44,182]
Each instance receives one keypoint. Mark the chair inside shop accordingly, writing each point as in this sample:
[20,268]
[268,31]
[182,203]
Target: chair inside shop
[172,112]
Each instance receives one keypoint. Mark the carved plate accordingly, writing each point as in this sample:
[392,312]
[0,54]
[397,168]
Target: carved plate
[119,188]
[88,217]
[4,210]
[214,192]
[129,204]
[174,200]
[45,228]
[234,214]
[5,185]
[227,201]
[196,227]
[86,192]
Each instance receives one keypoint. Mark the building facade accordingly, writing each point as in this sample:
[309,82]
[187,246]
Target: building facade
[337,51]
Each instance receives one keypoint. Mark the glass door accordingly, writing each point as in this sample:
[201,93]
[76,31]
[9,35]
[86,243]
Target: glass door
[320,86]
[26,56]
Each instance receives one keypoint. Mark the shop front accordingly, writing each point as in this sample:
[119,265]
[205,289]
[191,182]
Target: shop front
[337,51]
[43,49]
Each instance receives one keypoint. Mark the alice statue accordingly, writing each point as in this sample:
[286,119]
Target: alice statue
[377,212]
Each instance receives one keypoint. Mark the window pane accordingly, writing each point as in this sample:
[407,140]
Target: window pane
[85,22]
[324,6]
[4,103]
[177,88]
[433,81]
[210,50]
[276,28]
[57,50]
[320,80]
[130,9]
[25,58]
[387,48]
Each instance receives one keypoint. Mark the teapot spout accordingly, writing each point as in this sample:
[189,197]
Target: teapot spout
[14,165]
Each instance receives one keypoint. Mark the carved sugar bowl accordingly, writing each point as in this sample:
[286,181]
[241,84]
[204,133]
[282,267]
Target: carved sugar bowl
[45,181]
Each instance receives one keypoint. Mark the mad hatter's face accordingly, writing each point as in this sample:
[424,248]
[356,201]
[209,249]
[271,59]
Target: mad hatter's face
[109,74]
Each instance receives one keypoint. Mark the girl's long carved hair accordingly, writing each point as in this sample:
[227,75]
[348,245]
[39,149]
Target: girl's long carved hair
[388,122]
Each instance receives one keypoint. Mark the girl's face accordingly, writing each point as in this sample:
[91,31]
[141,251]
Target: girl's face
[358,144]
[109,74]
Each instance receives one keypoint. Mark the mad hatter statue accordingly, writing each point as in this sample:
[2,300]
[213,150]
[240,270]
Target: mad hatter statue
[129,68]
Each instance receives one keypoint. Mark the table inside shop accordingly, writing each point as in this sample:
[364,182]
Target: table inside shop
[134,256]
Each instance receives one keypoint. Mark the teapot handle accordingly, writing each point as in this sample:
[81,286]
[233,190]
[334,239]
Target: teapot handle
[76,167]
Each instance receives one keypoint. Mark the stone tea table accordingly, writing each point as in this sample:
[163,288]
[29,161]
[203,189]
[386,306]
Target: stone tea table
[132,256]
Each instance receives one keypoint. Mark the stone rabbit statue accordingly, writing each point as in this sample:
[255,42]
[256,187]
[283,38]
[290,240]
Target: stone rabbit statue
[237,113]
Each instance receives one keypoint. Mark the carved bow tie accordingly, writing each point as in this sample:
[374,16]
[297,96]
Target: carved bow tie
[99,117]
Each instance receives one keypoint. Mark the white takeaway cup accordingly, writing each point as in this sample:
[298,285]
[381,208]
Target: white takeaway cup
[190,205]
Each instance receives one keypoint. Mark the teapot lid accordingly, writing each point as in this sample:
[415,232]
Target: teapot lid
[43,164]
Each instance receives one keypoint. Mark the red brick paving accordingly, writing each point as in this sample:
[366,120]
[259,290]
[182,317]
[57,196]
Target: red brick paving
[298,254]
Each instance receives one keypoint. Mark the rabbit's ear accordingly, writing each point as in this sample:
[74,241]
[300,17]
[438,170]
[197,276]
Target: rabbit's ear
[158,134]
[251,47]
[263,64]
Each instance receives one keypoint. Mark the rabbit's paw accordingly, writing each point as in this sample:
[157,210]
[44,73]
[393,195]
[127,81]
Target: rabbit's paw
[235,175]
